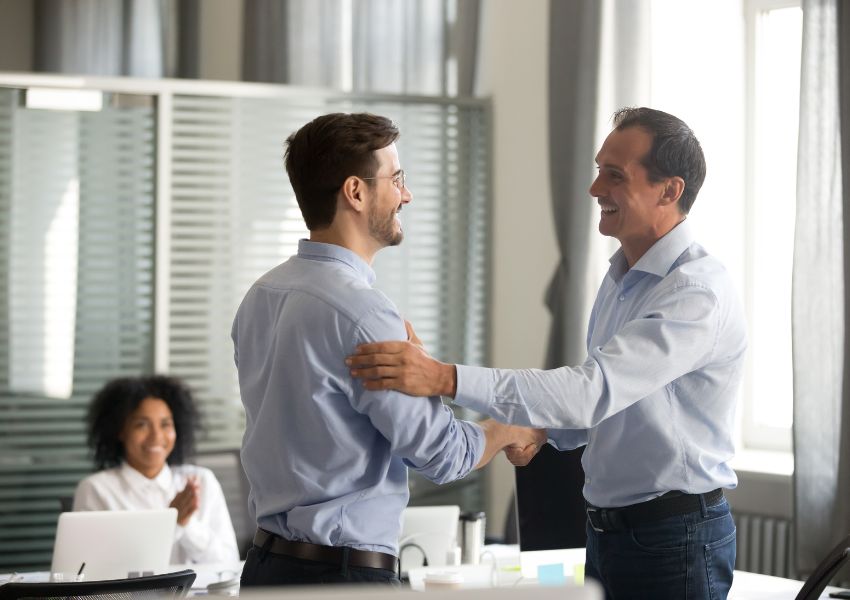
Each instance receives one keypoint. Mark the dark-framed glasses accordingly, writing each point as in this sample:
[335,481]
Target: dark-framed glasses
[397,179]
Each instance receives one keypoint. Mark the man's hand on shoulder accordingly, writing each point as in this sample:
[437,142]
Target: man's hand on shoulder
[402,366]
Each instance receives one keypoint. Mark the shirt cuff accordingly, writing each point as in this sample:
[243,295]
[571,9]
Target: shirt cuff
[194,536]
[477,441]
[475,388]
[567,439]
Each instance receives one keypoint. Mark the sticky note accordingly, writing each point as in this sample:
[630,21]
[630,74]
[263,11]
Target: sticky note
[551,574]
[578,574]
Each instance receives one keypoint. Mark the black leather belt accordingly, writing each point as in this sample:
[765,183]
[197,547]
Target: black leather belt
[326,554]
[668,505]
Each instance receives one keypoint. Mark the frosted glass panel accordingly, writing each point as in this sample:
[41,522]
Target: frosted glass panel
[79,206]
[76,295]
[43,240]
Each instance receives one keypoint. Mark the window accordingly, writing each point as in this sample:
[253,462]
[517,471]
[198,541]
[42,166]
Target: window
[737,85]
[774,36]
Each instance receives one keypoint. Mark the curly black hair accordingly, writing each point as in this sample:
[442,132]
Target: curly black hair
[116,401]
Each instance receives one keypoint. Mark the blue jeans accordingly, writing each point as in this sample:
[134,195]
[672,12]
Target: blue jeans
[685,557]
[267,569]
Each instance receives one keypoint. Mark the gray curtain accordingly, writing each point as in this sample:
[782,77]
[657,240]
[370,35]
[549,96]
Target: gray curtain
[843,484]
[575,31]
[464,46]
[103,37]
[593,46]
[410,47]
[265,53]
[819,310]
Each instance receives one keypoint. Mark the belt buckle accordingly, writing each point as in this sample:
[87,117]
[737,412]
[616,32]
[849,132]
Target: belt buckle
[590,510]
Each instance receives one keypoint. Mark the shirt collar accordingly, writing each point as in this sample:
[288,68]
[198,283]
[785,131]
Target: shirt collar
[660,257]
[331,252]
[162,480]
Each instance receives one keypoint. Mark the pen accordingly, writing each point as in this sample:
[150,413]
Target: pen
[80,572]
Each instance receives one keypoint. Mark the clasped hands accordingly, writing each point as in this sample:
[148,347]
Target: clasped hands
[407,367]
[525,443]
[187,501]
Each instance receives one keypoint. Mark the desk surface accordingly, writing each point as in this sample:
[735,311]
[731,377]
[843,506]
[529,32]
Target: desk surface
[753,586]
[746,586]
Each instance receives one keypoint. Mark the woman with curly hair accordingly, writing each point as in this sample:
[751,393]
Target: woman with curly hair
[141,430]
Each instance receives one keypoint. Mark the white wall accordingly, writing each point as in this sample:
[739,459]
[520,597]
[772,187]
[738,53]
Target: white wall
[513,72]
[220,40]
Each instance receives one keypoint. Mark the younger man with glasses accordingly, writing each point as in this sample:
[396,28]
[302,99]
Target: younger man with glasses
[326,459]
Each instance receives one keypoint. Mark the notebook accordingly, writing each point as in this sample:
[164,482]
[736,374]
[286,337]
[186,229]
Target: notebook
[114,544]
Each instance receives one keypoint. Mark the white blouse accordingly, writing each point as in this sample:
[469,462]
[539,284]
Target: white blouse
[208,537]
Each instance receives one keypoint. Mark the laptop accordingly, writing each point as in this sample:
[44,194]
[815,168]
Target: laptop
[428,535]
[114,544]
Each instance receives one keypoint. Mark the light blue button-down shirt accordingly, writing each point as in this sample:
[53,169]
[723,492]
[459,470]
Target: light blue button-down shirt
[655,399]
[327,461]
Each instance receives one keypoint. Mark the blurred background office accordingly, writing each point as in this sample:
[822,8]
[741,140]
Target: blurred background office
[129,233]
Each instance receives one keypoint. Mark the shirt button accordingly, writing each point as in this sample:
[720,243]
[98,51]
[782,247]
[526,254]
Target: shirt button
[622,297]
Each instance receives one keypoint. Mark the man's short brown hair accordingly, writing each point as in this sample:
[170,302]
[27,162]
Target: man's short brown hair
[675,152]
[326,151]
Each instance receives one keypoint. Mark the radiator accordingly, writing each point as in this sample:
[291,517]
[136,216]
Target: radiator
[765,545]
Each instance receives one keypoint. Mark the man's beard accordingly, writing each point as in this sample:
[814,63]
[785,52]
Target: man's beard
[383,229]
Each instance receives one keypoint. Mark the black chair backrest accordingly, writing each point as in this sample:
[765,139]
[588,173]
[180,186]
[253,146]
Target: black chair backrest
[168,585]
[66,503]
[825,571]
[227,468]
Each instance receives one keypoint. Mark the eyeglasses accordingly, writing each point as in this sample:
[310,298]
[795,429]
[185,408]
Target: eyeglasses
[397,179]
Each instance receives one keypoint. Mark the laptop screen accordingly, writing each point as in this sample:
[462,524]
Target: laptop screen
[114,544]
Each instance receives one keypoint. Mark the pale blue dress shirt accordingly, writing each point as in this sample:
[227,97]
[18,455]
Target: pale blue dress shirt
[655,399]
[327,461]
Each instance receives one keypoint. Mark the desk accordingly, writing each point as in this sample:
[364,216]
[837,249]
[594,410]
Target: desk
[753,586]
[745,586]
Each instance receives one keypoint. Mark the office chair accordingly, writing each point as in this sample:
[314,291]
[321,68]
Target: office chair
[66,503]
[168,585]
[825,571]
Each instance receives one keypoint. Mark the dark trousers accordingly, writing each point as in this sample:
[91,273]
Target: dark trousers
[267,569]
[689,556]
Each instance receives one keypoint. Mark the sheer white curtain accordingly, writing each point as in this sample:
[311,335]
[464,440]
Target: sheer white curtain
[821,415]
[412,47]
[104,37]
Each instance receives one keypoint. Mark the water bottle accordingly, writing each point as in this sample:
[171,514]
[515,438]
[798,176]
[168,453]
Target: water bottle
[471,537]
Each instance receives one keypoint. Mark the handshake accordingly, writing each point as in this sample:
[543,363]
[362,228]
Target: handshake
[520,444]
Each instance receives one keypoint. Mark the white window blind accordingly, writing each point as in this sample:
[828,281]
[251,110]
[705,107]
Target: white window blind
[234,217]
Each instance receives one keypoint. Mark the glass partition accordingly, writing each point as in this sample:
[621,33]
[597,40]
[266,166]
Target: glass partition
[76,291]
[133,222]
